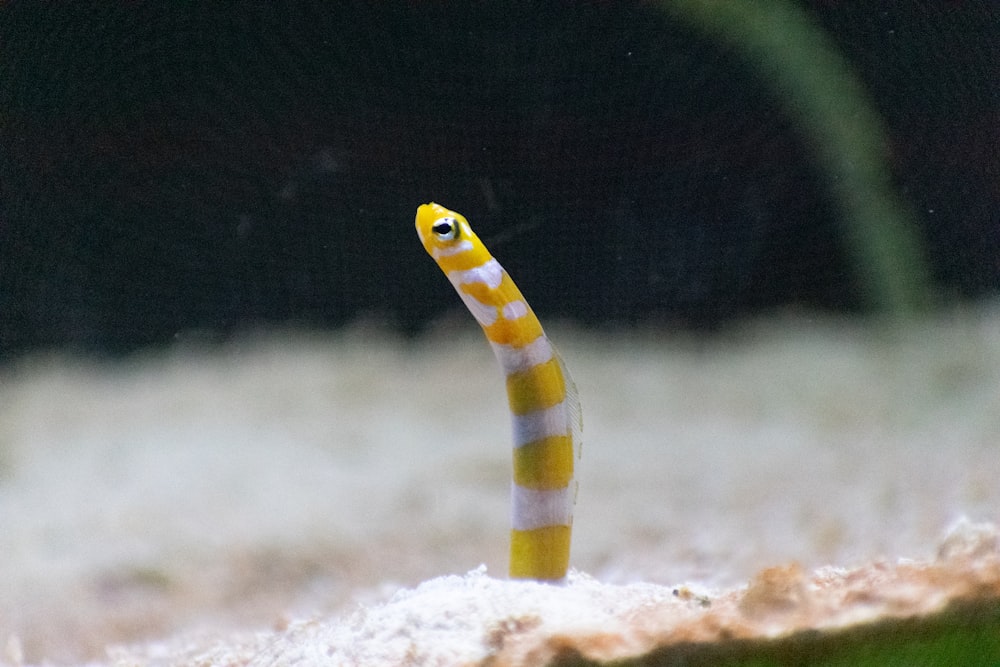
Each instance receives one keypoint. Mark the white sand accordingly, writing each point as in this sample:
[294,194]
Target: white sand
[208,494]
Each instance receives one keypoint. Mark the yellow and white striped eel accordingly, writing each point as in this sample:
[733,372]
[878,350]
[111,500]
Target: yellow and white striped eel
[544,407]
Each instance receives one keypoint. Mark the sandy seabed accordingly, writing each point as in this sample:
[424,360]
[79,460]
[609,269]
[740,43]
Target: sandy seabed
[342,498]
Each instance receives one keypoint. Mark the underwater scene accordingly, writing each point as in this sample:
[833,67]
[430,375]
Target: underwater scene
[428,333]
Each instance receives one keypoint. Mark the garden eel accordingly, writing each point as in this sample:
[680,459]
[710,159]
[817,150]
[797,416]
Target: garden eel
[544,408]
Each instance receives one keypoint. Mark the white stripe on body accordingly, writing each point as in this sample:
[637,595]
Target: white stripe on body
[485,314]
[516,359]
[531,508]
[540,424]
[459,247]
[515,310]
[489,273]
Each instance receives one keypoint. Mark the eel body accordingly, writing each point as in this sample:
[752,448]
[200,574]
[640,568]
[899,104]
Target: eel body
[545,410]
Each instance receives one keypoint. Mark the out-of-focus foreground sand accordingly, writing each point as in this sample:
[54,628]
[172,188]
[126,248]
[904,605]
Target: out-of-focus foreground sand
[164,509]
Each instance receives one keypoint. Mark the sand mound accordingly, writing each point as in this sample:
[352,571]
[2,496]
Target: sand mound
[477,619]
[192,504]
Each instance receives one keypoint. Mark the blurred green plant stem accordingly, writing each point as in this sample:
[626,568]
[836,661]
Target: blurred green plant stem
[833,110]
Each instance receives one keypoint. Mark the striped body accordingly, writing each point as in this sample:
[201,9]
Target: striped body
[544,408]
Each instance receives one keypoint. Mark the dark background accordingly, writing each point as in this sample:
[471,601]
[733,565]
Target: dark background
[216,168]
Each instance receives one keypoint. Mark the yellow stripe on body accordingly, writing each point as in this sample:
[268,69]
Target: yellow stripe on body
[542,398]
[542,553]
[536,388]
[545,464]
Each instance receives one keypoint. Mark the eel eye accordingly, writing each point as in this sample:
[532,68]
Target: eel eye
[445,229]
